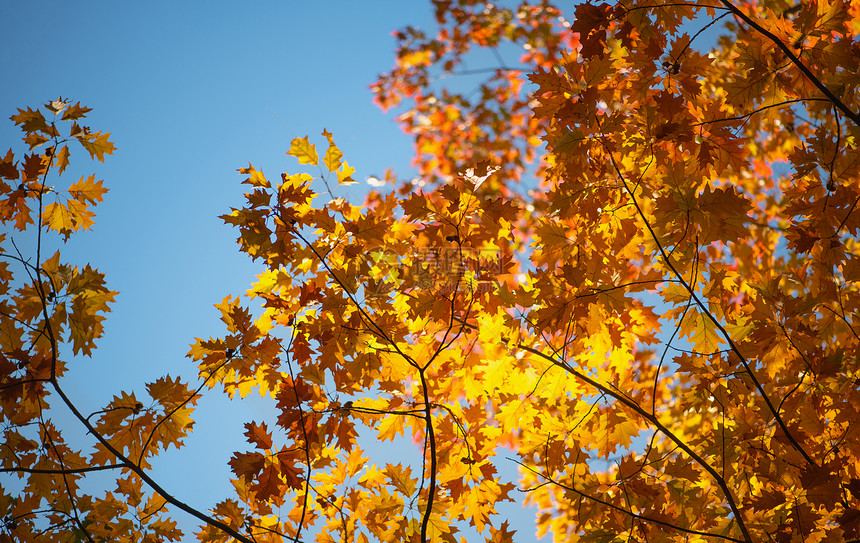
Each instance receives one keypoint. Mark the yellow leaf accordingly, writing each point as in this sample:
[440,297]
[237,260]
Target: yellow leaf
[82,217]
[332,158]
[344,176]
[303,150]
[87,190]
[703,334]
[256,177]
[389,427]
[57,217]
[61,159]
[675,293]
[333,155]
[401,478]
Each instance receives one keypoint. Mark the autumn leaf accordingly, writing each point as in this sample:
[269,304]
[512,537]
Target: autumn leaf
[247,465]
[30,120]
[8,169]
[61,159]
[344,175]
[58,217]
[590,23]
[303,150]
[88,190]
[333,156]
[703,333]
[97,144]
[255,177]
[724,214]
[75,111]
[258,435]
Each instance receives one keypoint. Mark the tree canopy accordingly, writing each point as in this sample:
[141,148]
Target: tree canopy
[629,265]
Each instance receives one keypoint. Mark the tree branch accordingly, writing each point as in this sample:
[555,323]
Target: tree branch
[795,60]
[651,419]
[621,509]
[64,471]
[705,311]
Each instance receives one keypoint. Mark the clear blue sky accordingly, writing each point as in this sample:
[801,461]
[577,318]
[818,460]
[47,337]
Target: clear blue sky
[191,92]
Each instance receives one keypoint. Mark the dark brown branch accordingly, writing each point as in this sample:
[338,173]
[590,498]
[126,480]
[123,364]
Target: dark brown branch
[705,311]
[620,509]
[178,407]
[841,316]
[23,382]
[431,437]
[759,110]
[70,471]
[795,60]
[651,419]
[142,473]
[665,352]
[49,331]
[696,35]
[428,411]
[306,445]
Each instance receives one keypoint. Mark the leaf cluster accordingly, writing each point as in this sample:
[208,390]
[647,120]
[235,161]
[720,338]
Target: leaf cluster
[630,268]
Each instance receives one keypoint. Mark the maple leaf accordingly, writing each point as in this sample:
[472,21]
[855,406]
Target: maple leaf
[801,239]
[256,177]
[333,155]
[56,106]
[289,466]
[344,175]
[59,218]
[247,465]
[268,485]
[36,139]
[34,168]
[171,393]
[401,478]
[502,534]
[703,333]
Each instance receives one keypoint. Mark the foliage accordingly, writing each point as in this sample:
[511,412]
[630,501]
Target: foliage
[659,329]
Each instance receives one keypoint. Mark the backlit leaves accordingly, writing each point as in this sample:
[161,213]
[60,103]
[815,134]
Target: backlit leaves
[655,322]
[303,150]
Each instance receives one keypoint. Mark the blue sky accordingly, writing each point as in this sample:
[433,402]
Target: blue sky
[191,92]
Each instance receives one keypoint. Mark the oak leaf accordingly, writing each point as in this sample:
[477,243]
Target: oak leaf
[303,150]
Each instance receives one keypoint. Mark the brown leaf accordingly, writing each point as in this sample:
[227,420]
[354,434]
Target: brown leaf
[258,435]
